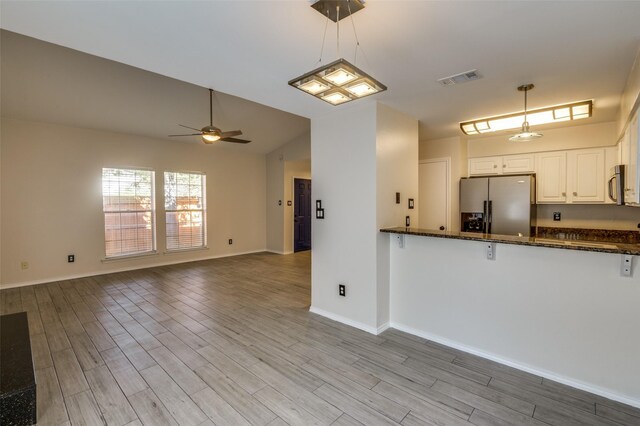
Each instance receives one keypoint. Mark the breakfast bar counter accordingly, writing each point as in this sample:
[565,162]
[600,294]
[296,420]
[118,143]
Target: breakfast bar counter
[569,315]
[570,244]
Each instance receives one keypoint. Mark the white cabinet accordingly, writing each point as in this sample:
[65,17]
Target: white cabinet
[508,164]
[585,176]
[551,173]
[518,163]
[485,166]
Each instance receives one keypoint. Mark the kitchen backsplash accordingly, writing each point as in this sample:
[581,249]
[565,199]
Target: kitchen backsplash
[587,216]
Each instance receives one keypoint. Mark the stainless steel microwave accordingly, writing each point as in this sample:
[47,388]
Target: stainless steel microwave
[616,184]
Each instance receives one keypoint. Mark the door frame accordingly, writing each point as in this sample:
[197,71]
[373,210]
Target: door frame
[447,161]
[293,209]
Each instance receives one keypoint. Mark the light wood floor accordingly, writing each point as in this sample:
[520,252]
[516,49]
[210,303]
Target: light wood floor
[231,342]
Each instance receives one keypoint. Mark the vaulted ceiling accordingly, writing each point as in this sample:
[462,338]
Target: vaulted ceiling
[570,50]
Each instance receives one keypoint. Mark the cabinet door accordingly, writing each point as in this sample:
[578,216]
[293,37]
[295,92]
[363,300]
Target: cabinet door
[485,166]
[551,173]
[518,163]
[632,178]
[585,175]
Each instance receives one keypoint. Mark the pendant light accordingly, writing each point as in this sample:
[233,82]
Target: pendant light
[340,81]
[526,134]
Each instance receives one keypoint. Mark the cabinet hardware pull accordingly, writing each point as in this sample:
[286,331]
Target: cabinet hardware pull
[575,194]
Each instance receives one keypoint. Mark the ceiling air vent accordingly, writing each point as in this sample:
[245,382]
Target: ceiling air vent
[463,77]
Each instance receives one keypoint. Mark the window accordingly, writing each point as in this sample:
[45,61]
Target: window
[184,203]
[129,213]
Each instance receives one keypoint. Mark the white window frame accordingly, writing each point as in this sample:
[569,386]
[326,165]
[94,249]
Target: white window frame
[202,210]
[151,210]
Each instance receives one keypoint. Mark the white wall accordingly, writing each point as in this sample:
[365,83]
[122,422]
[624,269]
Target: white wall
[52,204]
[343,174]
[361,156]
[574,320]
[397,171]
[630,95]
[278,176]
[454,148]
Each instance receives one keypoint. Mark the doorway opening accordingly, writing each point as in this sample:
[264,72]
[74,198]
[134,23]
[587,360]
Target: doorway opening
[301,214]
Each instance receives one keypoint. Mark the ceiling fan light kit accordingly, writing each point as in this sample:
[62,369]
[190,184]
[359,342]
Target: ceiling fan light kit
[340,81]
[211,133]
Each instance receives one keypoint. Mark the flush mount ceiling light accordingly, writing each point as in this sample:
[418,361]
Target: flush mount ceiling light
[553,114]
[340,81]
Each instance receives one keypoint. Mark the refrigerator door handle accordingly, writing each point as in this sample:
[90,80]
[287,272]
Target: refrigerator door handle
[489,218]
[485,217]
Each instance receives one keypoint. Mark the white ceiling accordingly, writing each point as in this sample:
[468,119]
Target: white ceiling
[571,50]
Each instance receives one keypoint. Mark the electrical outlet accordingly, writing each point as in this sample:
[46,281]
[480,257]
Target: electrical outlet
[407,221]
[24,264]
[230,241]
[71,258]
[557,216]
[342,290]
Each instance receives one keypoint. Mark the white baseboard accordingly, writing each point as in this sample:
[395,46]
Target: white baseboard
[278,251]
[607,393]
[344,320]
[383,327]
[116,270]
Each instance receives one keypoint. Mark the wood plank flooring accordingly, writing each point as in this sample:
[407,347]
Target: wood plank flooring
[231,342]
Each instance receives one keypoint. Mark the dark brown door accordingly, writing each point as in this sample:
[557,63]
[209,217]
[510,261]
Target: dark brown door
[302,215]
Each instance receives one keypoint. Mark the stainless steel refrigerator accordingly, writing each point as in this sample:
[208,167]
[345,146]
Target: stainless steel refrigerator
[503,205]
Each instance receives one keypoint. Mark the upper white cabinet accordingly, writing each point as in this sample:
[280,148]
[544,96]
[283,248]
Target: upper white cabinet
[518,163]
[507,164]
[551,174]
[585,175]
[485,166]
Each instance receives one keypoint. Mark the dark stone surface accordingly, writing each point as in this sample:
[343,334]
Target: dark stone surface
[585,234]
[601,247]
[17,378]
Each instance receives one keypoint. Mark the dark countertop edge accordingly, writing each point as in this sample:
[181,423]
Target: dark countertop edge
[631,249]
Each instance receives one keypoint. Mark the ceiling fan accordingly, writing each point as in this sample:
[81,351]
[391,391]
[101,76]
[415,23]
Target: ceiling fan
[211,133]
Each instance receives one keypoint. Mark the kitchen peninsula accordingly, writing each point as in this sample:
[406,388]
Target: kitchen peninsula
[561,310]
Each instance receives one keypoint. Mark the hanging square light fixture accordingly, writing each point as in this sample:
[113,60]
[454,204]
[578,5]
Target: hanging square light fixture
[340,81]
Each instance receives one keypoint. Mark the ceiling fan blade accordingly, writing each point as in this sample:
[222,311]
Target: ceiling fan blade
[187,127]
[230,134]
[234,140]
[191,134]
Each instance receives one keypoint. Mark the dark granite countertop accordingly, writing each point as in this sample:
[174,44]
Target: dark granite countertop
[595,246]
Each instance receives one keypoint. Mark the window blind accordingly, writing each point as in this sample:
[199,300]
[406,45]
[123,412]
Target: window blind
[129,211]
[185,209]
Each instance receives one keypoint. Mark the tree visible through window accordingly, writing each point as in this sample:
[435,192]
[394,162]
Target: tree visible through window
[184,202]
[129,213]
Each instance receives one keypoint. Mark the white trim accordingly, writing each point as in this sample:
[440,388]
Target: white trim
[343,320]
[447,161]
[113,271]
[383,327]
[279,252]
[129,256]
[607,393]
